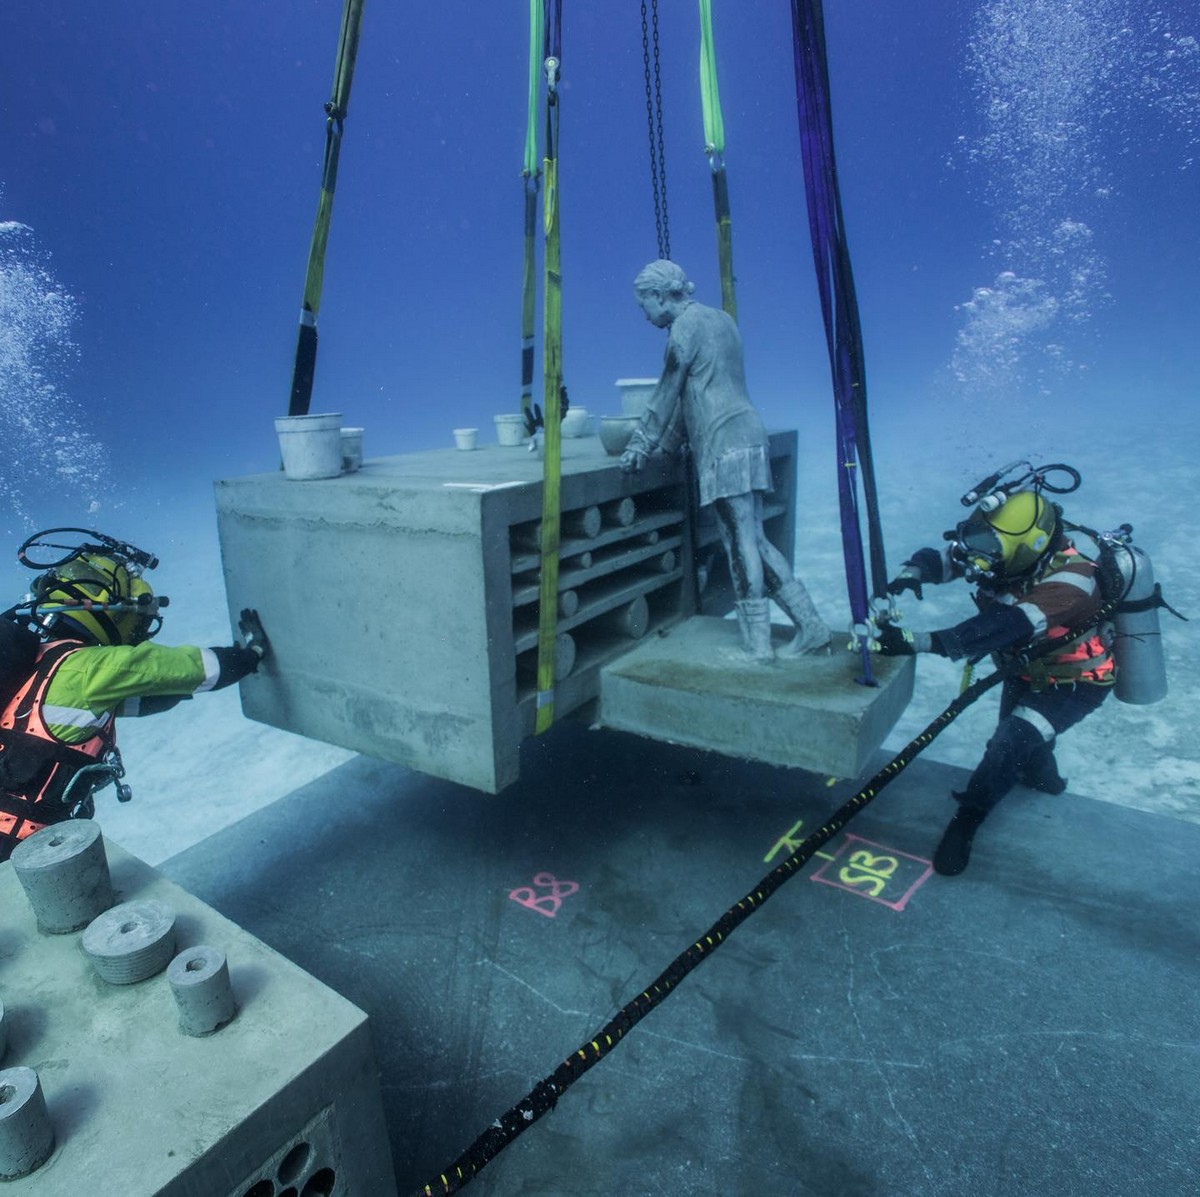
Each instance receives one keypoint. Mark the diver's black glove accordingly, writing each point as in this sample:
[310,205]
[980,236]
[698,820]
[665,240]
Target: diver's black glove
[925,565]
[907,579]
[895,641]
[252,632]
[533,415]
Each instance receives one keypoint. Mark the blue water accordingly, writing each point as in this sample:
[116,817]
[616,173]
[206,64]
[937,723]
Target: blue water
[1020,185]
[1018,176]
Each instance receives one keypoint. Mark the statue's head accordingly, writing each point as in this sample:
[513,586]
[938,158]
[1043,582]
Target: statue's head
[662,290]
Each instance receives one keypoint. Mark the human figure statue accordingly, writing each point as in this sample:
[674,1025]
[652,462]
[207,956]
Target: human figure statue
[701,398]
[1032,585]
[76,654]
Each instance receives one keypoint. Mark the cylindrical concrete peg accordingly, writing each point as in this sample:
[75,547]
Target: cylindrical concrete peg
[581,560]
[131,942]
[26,1133]
[199,979]
[631,620]
[64,872]
[622,513]
[583,521]
[564,655]
[651,537]
[568,603]
[666,562]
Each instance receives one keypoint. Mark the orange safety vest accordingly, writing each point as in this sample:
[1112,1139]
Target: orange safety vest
[1087,658]
[36,767]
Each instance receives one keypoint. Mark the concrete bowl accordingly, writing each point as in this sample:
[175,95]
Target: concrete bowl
[615,432]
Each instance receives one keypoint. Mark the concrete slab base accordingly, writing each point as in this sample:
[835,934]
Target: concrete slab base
[283,1099]
[873,1030]
[693,685]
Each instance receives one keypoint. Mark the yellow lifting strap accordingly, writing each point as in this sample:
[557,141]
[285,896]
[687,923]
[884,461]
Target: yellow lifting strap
[304,369]
[714,147]
[529,173]
[552,376]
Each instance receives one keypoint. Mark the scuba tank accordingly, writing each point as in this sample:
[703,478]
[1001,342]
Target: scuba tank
[1137,639]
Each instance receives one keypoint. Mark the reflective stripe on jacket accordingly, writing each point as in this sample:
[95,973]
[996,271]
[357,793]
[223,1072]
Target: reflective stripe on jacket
[37,764]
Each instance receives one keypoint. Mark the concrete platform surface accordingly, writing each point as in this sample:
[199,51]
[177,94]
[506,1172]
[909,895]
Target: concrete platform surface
[1030,1027]
[694,685]
[141,1110]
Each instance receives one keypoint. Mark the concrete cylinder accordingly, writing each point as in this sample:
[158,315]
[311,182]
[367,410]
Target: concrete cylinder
[622,513]
[131,942]
[564,655]
[582,560]
[651,537]
[199,979]
[584,522]
[64,872]
[666,562]
[26,1133]
[568,603]
[631,620]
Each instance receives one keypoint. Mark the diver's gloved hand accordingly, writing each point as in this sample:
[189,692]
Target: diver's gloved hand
[925,565]
[908,578]
[895,641]
[252,632]
[533,419]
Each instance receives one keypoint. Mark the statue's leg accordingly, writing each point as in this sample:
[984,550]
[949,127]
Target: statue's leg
[793,598]
[735,519]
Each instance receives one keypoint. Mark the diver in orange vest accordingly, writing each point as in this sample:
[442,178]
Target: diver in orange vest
[1032,586]
[75,655]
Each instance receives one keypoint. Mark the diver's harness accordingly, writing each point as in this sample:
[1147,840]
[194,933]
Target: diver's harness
[25,756]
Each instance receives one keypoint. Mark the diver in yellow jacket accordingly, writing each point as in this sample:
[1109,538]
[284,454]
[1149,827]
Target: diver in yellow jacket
[75,655]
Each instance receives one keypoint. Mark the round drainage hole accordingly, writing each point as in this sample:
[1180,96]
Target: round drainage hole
[320,1184]
[294,1163]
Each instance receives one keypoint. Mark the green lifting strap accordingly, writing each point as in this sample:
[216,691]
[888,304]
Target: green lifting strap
[335,116]
[714,147]
[552,376]
[531,176]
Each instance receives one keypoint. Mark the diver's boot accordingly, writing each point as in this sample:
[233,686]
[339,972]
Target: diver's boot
[1041,773]
[754,616]
[811,636]
[955,849]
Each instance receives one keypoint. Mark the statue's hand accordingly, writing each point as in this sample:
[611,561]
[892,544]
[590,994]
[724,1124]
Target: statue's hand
[631,460]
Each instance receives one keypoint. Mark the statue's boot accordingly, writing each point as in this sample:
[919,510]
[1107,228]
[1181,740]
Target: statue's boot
[754,616]
[812,636]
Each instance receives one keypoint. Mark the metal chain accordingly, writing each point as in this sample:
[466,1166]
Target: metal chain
[658,165]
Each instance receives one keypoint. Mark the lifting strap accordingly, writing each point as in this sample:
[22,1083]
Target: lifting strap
[335,116]
[839,308]
[552,381]
[531,176]
[714,147]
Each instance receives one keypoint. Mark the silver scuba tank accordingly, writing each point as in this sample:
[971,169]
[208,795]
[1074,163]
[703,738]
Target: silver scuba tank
[1137,639]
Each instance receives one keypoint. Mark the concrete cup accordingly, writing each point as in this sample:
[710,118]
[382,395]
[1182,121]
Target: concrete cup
[635,394]
[510,429]
[464,438]
[615,432]
[352,449]
[310,446]
[576,422]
